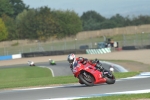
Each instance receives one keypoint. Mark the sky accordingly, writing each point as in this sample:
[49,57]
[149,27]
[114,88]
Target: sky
[106,8]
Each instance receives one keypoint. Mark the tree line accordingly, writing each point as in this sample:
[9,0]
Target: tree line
[19,21]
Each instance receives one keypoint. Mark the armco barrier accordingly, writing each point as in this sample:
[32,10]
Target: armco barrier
[147,47]
[51,53]
[129,48]
[9,57]
[98,51]
[16,56]
[135,47]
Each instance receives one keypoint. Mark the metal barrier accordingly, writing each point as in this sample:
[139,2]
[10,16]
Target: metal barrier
[51,53]
[98,51]
[9,57]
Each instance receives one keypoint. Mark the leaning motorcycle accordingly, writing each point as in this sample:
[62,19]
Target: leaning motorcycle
[90,75]
[31,63]
[52,62]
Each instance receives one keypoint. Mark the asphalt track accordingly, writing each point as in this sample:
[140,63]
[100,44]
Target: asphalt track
[61,69]
[74,90]
[71,90]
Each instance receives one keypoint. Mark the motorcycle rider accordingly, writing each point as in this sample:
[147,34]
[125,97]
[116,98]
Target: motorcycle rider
[72,59]
[31,63]
[52,62]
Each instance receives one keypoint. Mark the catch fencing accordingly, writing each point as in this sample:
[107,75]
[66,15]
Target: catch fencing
[138,36]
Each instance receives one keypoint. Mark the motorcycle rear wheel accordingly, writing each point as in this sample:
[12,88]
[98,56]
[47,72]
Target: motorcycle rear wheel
[86,78]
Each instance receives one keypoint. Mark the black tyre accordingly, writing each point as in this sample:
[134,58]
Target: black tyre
[110,80]
[53,64]
[86,78]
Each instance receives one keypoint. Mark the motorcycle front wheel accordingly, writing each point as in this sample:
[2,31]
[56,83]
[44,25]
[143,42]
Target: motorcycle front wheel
[86,78]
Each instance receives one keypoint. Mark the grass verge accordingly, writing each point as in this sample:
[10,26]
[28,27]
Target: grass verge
[142,96]
[37,76]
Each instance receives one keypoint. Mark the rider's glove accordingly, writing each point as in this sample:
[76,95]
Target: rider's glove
[81,59]
[99,66]
[71,67]
[96,60]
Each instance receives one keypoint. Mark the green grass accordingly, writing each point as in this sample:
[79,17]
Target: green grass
[142,96]
[37,76]
[30,76]
[125,74]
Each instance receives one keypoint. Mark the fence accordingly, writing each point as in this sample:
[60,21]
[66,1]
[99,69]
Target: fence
[126,36]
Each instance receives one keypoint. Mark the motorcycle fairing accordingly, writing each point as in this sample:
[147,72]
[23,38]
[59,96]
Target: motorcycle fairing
[97,74]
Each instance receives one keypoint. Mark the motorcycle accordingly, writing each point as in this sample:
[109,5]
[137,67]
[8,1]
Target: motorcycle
[52,62]
[31,63]
[90,75]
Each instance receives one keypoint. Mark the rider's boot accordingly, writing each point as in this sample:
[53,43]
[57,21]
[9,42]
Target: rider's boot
[107,73]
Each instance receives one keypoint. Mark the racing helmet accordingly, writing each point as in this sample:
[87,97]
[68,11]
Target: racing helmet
[71,58]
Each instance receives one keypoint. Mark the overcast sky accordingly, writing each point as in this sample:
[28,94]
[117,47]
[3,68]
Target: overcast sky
[106,8]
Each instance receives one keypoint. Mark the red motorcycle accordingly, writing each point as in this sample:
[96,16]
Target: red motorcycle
[90,75]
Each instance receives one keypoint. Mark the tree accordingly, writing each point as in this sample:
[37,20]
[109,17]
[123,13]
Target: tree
[36,24]
[119,20]
[69,23]
[46,25]
[18,6]
[128,21]
[11,27]
[141,20]
[6,8]
[91,20]
[108,24]
[3,31]
[26,24]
